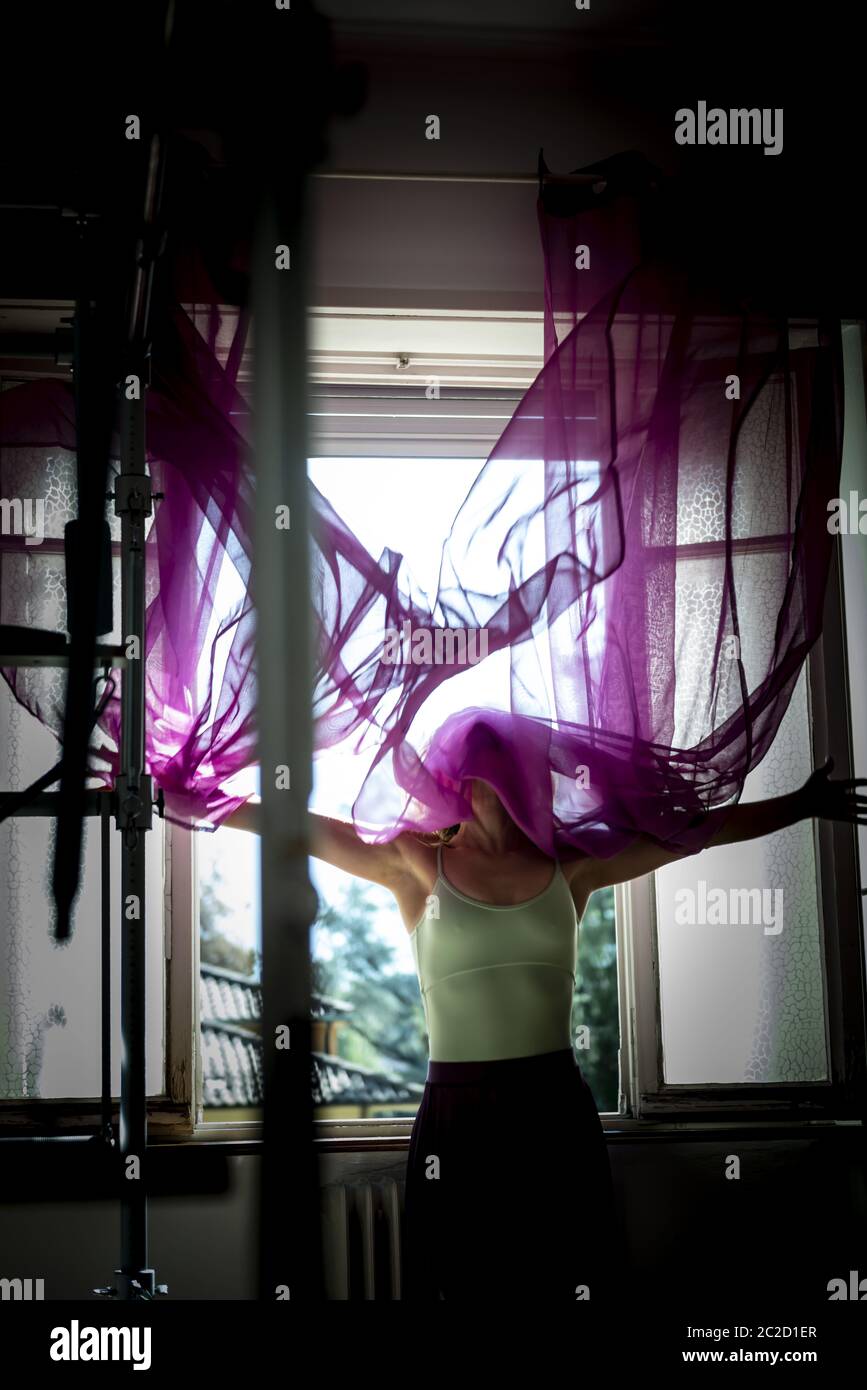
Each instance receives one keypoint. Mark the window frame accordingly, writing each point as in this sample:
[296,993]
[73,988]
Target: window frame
[839,1099]
[647,1104]
[170,1112]
[484,363]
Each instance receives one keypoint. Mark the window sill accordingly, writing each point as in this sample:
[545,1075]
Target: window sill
[358,1136]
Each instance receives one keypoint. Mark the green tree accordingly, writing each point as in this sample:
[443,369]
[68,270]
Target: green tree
[596,1003]
[360,968]
[387,1021]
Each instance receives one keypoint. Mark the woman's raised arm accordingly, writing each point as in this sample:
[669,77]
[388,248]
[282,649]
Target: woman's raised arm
[819,797]
[337,843]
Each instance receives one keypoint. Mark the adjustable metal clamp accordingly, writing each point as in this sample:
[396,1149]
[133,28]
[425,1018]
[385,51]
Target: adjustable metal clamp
[134,804]
[132,493]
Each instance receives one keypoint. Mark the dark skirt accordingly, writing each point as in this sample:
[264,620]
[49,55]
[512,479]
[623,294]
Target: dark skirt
[508,1186]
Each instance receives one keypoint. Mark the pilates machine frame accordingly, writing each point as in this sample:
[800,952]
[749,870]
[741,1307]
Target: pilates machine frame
[289,1228]
[131,801]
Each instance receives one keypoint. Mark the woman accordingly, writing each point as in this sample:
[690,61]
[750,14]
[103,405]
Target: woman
[508,1186]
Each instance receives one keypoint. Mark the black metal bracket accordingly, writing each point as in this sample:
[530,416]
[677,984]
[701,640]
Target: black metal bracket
[135,1288]
[133,804]
[132,495]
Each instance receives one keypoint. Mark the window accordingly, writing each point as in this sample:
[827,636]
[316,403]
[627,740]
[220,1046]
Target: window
[744,1009]
[370,1046]
[742,1001]
[710,1020]
[376,430]
[687,1022]
[363,954]
[228,878]
[50,1020]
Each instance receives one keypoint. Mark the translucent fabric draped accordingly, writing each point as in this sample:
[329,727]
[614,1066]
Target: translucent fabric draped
[200,626]
[645,552]
[626,595]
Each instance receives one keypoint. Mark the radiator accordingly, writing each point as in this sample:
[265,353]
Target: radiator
[361,1231]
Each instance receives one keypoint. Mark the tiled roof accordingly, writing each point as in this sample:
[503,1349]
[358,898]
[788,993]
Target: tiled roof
[231,1052]
[337,1082]
[228,997]
[231,1066]
[225,997]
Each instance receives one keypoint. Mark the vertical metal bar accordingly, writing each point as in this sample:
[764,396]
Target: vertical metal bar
[132,583]
[105,962]
[133,502]
[290,1226]
[133,1112]
[134,488]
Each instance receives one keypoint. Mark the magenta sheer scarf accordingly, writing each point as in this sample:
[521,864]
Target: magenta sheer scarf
[646,547]
[643,557]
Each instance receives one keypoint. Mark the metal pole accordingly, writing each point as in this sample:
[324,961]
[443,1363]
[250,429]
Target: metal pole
[290,1229]
[133,504]
[105,964]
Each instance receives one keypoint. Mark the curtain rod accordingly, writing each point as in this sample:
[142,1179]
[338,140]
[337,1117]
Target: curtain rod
[454,178]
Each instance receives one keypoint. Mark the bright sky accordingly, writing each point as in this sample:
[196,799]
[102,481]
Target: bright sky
[407,505]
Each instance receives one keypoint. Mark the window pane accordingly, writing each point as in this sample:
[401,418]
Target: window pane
[596,1002]
[369,1041]
[372,1041]
[370,1034]
[230,1000]
[741,981]
[762,502]
[50,994]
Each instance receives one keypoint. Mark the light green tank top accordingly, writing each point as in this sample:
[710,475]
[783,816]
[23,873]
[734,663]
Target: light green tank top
[496,982]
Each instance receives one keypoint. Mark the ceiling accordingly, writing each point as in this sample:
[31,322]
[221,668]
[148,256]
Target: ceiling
[512,78]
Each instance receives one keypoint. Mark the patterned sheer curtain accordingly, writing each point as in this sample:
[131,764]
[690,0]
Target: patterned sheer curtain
[742,1001]
[49,1014]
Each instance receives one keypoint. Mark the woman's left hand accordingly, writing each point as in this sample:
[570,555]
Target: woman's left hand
[834,800]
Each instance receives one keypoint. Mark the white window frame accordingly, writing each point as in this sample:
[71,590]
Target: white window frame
[170,1111]
[838,883]
[835,1100]
[500,354]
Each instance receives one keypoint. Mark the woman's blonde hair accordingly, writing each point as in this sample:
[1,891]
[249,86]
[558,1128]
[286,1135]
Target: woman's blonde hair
[443,836]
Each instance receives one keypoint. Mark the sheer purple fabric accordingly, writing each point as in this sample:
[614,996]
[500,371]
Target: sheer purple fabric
[626,597]
[200,622]
[646,547]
